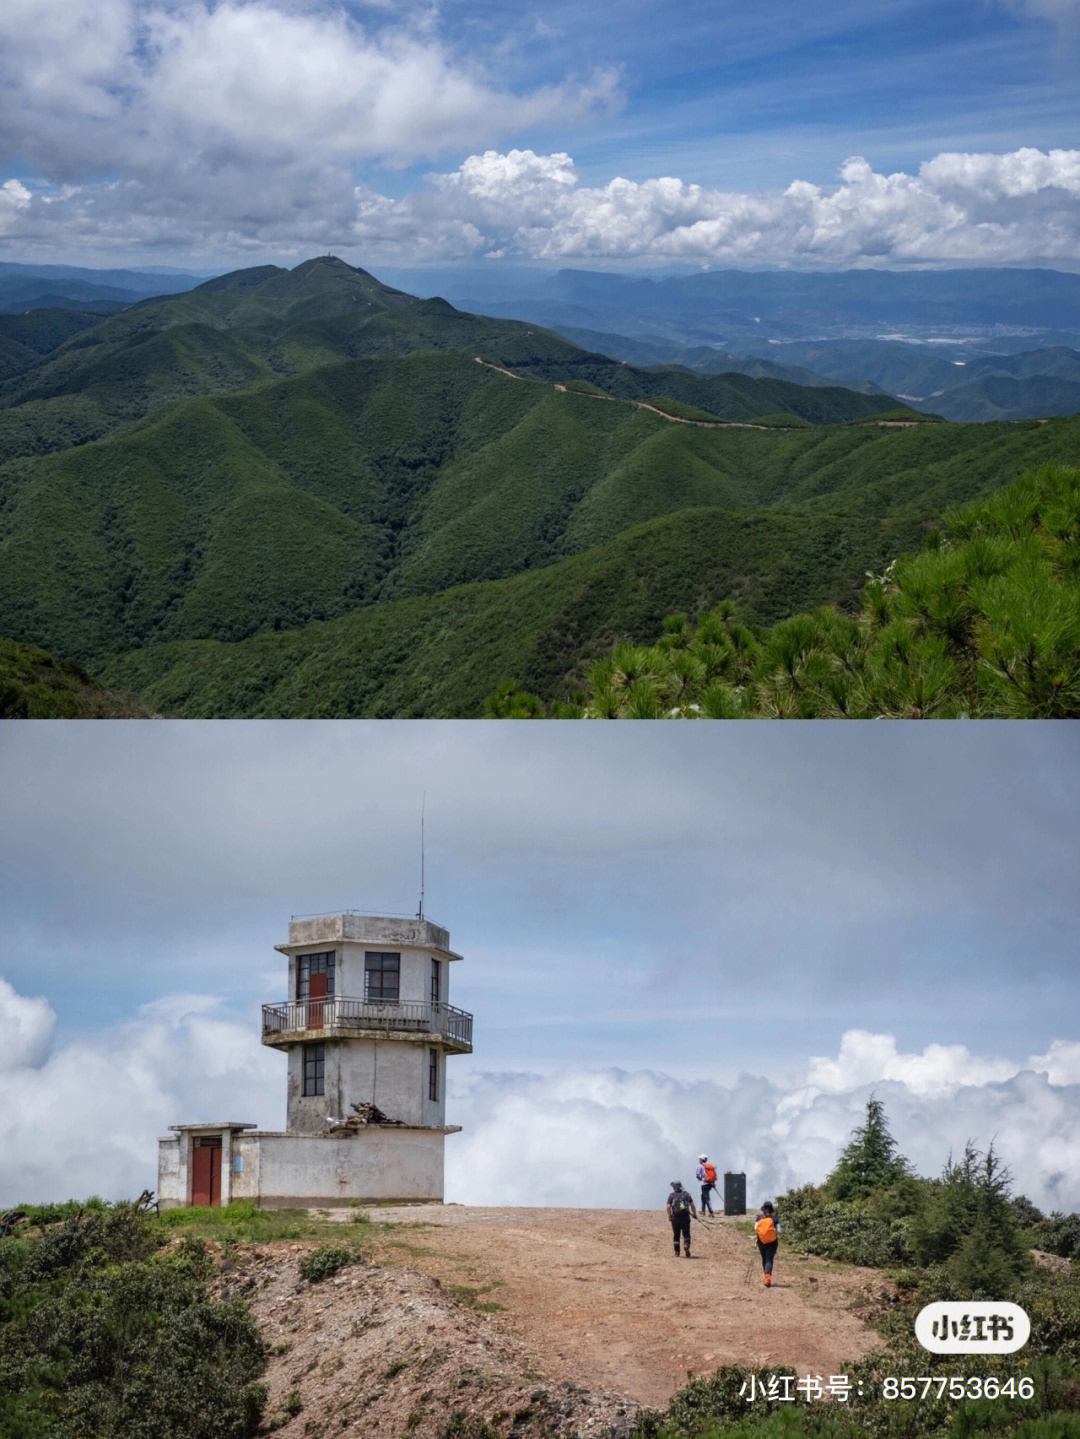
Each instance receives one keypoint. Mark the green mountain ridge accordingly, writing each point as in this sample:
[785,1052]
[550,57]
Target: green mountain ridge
[278,453]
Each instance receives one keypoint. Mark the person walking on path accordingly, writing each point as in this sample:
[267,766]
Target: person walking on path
[767,1232]
[706,1177]
[680,1210]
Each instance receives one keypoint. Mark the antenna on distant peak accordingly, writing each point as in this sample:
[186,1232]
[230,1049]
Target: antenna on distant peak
[423,805]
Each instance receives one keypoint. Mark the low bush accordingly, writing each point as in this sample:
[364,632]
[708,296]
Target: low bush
[322,1263]
[103,1335]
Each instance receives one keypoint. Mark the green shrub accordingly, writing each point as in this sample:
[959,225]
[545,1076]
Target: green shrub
[101,1335]
[321,1263]
[468,1426]
[1058,1234]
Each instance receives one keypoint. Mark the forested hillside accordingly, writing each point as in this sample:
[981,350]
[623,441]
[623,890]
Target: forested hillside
[983,623]
[304,492]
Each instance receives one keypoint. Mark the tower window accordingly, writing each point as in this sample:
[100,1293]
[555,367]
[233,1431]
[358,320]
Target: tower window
[309,964]
[433,1074]
[436,981]
[314,1069]
[382,977]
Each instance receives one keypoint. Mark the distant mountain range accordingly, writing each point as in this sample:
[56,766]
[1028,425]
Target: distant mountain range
[964,344]
[26,287]
[308,492]
[719,306]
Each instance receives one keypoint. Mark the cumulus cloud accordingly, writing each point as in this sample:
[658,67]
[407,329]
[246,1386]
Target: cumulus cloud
[238,123]
[865,1058]
[121,86]
[978,208]
[612,1137]
[26,1029]
[83,1118]
[14,198]
[957,208]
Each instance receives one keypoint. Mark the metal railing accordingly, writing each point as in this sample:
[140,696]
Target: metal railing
[336,1015]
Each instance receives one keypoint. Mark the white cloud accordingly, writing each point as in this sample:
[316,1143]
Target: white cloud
[142,90]
[1061,1063]
[617,1138]
[865,1058]
[256,83]
[957,207]
[84,1118]
[26,1029]
[257,174]
[14,198]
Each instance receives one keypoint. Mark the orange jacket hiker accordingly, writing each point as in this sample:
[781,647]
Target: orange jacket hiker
[767,1234]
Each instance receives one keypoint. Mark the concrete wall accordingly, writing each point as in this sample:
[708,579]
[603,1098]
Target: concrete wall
[174,1165]
[293,1170]
[392,1074]
[349,976]
[374,930]
[173,1191]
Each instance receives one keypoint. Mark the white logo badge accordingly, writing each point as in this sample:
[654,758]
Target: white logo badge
[978,1326]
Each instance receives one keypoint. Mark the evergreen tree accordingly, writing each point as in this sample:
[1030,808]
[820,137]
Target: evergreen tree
[870,1159]
[970,1226]
[984,622]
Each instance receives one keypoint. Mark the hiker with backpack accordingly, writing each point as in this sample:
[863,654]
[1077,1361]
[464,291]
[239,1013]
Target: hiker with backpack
[680,1210]
[706,1177]
[767,1233]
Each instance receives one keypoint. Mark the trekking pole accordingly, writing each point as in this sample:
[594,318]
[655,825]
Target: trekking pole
[749,1270]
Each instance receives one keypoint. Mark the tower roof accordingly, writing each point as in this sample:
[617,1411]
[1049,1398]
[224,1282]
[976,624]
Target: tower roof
[374,929]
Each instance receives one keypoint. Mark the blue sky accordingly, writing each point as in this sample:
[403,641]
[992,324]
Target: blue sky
[763,922]
[229,131]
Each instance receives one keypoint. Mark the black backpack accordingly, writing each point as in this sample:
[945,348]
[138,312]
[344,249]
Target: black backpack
[680,1203]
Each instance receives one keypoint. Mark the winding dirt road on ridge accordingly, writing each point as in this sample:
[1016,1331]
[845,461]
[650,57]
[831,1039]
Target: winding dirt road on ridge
[598,1296]
[681,419]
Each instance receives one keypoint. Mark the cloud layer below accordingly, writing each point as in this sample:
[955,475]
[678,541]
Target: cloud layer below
[83,1118]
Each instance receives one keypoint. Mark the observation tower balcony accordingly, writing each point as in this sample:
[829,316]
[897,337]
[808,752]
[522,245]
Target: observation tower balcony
[330,1017]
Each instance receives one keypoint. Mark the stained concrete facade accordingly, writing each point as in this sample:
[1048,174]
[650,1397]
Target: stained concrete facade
[376,1028]
[292,1171]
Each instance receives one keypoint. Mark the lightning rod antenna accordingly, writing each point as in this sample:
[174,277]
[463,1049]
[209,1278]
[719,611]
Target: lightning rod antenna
[423,805]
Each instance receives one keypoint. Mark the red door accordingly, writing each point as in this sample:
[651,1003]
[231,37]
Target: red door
[206,1172]
[317,992]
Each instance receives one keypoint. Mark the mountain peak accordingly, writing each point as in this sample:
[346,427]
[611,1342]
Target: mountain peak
[331,262]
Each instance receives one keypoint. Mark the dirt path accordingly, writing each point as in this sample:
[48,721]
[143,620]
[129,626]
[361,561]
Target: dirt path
[598,1297]
[681,419]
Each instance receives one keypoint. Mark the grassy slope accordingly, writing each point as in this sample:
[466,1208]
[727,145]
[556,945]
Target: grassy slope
[253,325]
[434,655]
[249,480]
[35,685]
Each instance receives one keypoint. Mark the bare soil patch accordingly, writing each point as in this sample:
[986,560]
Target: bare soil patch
[380,1350]
[599,1297]
[538,1321]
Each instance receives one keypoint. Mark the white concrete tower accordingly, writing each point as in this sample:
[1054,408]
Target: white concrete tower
[366,1024]
[367,1020]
